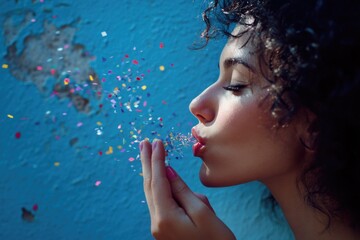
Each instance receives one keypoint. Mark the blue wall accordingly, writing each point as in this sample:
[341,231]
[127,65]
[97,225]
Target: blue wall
[81,83]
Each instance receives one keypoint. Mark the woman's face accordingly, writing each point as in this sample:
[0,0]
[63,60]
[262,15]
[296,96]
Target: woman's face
[237,140]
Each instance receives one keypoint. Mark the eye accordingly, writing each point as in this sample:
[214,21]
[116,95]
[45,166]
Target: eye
[236,88]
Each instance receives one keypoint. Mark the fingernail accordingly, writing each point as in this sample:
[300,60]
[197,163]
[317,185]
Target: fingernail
[170,173]
[154,144]
[141,145]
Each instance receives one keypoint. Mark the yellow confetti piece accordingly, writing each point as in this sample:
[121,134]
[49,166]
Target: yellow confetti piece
[5,66]
[144,87]
[66,81]
[10,116]
[162,68]
[110,150]
[91,78]
[123,85]
[99,123]
[119,147]
[56,164]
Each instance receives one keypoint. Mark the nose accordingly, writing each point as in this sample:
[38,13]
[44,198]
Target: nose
[203,107]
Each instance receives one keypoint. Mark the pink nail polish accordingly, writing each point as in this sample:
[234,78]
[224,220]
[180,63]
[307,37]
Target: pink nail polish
[170,173]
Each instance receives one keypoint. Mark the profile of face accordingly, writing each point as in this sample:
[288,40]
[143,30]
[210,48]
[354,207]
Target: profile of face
[236,138]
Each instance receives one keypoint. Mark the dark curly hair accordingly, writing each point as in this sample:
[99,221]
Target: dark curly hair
[312,49]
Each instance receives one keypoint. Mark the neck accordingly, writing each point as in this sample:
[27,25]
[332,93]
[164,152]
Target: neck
[305,222]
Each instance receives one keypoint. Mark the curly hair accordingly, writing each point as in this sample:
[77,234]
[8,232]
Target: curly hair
[312,49]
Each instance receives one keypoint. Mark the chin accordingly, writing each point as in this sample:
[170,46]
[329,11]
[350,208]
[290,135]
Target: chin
[207,179]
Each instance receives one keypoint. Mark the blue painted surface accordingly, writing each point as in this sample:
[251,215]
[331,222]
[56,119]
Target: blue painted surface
[70,205]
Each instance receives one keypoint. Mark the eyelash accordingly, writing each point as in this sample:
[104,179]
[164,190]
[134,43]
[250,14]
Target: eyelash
[235,88]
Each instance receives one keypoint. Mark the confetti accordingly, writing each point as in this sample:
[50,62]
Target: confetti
[103,34]
[97,183]
[109,151]
[10,116]
[91,78]
[56,164]
[66,81]
[161,45]
[17,135]
[35,207]
[162,68]
[5,66]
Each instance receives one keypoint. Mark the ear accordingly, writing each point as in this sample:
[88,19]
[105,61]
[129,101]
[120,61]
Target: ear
[307,128]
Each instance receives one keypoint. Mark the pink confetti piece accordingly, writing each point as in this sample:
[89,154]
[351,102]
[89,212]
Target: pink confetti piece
[35,207]
[17,135]
[97,183]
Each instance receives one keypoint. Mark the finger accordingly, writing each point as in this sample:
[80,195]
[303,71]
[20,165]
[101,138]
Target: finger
[194,206]
[145,156]
[161,191]
[205,200]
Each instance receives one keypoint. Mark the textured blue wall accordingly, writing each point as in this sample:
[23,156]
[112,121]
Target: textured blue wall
[68,144]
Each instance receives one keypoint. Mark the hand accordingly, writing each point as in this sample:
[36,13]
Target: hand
[176,212]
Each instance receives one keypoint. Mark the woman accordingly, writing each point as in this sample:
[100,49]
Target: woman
[284,111]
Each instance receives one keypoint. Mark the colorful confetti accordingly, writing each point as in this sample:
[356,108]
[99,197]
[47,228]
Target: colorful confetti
[17,135]
[35,207]
[66,81]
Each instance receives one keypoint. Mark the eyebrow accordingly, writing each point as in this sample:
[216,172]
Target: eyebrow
[233,61]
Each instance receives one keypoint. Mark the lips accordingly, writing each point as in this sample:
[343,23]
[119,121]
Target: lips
[199,146]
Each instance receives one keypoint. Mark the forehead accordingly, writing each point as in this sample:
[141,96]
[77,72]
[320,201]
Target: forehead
[240,47]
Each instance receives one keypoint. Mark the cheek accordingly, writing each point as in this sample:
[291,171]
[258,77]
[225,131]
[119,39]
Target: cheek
[246,147]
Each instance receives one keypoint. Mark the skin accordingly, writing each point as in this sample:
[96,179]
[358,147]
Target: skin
[240,145]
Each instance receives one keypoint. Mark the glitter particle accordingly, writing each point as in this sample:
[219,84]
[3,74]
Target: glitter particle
[66,81]
[109,151]
[162,68]
[17,135]
[35,207]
